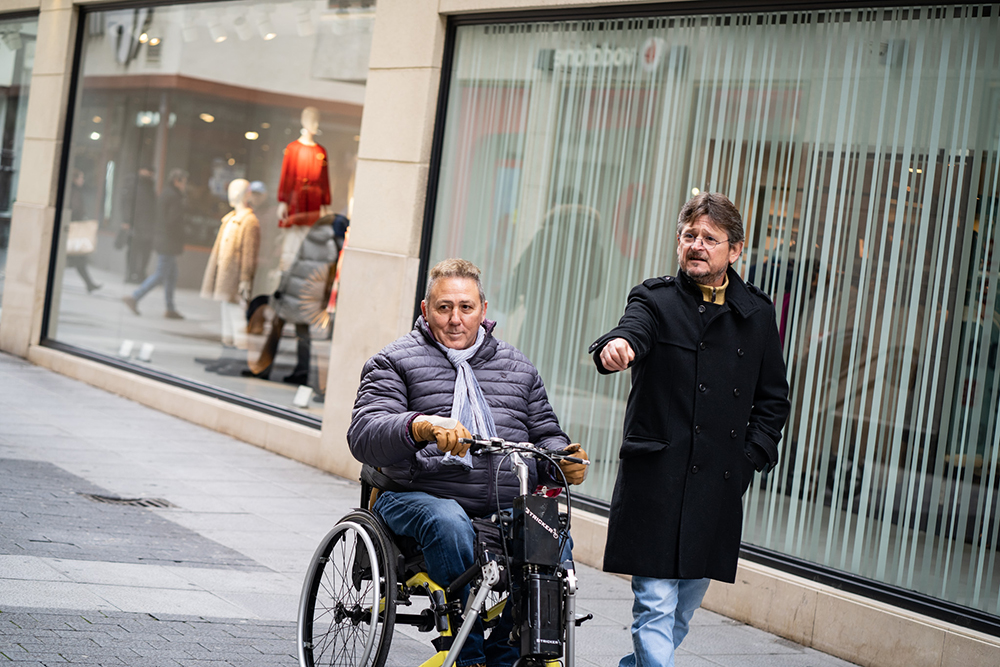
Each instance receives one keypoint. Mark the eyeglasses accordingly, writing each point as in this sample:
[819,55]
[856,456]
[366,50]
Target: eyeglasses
[710,242]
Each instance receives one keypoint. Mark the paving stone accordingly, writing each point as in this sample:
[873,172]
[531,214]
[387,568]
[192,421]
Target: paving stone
[60,438]
[59,522]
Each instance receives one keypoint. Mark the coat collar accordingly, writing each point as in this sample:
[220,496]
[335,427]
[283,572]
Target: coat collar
[485,352]
[238,217]
[738,296]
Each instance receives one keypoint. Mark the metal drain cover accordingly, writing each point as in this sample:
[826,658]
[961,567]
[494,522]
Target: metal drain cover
[132,502]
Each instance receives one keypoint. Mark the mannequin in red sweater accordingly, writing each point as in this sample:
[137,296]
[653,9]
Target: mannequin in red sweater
[304,189]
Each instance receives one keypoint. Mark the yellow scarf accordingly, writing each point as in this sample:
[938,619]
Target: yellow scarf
[714,294]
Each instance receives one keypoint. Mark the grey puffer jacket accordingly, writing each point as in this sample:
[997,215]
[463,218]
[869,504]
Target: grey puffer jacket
[412,376]
[304,287]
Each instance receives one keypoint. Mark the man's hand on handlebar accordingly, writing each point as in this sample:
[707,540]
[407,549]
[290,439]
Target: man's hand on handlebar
[573,461]
[448,433]
[575,472]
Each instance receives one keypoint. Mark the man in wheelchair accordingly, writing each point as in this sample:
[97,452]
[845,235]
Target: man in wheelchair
[445,378]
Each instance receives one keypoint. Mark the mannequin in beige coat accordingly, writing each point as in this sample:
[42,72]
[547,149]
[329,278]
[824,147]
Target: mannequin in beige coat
[232,264]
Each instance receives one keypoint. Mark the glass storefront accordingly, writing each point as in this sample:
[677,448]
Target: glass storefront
[17,57]
[862,147]
[209,190]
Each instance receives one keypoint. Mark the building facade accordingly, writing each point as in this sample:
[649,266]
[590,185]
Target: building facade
[552,143]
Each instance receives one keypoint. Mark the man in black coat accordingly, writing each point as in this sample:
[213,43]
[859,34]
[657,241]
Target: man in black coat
[140,206]
[708,401]
[168,242]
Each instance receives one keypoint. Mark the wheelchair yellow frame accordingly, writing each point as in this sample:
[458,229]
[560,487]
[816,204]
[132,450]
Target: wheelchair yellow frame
[421,580]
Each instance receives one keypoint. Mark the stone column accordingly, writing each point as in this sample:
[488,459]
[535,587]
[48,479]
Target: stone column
[379,277]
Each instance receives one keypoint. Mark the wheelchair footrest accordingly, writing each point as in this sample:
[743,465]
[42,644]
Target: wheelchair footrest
[442,643]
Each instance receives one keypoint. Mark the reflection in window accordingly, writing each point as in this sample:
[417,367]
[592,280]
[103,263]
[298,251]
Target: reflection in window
[17,57]
[212,165]
[861,146]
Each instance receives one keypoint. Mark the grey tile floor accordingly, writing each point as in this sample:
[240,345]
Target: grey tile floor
[214,578]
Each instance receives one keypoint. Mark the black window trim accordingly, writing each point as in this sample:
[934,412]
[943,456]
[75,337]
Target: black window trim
[914,601]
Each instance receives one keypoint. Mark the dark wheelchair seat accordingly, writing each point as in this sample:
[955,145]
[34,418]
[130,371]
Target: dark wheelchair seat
[409,558]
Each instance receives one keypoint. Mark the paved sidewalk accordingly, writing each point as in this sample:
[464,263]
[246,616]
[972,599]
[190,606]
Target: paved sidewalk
[211,577]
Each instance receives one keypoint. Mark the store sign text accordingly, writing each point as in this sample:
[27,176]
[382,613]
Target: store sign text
[595,56]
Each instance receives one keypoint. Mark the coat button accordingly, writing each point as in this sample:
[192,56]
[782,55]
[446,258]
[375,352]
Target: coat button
[739,351]
[694,469]
[697,428]
[702,345]
[726,475]
[736,392]
[732,434]
[702,388]
[701,309]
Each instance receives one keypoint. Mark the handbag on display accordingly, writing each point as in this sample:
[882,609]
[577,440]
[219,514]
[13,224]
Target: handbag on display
[81,237]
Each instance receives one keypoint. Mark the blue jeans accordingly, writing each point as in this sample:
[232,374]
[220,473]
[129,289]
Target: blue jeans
[660,616]
[445,534]
[166,273]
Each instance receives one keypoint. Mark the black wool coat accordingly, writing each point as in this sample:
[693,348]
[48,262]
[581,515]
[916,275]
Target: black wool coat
[168,235]
[708,401]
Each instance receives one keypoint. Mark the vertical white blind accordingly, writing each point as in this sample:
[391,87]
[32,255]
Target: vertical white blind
[862,147]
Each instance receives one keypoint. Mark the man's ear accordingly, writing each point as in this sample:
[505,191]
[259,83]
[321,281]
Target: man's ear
[423,309]
[735,250]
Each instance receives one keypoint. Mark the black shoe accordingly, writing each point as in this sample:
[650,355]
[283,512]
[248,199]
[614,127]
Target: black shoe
[296,378]
[173,315]
[93,287]
[263,375]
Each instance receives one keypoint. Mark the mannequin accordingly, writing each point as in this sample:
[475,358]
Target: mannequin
[304,189]
[232,264]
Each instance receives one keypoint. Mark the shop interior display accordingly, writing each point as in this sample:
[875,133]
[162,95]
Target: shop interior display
[274,113]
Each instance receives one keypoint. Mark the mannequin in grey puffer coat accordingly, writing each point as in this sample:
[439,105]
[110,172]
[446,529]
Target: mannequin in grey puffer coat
[295,300]
[301,297]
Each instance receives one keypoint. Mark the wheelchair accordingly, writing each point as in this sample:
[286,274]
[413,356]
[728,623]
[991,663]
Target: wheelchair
[362,575]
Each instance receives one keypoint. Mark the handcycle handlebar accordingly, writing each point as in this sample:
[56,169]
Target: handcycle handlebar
[479,445]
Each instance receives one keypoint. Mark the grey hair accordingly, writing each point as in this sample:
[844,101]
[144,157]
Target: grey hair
[719,210]
[454,268]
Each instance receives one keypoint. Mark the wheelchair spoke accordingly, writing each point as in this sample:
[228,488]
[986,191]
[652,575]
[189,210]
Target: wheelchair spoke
[337,625]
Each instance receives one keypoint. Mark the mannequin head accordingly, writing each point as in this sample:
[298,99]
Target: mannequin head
[310,121]
[258,194]
[238,190]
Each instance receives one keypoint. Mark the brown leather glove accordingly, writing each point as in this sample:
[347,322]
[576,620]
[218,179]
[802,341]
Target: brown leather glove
[575,472]
[445,431]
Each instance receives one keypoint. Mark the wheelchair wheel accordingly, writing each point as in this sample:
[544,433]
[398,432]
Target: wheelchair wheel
[348,605]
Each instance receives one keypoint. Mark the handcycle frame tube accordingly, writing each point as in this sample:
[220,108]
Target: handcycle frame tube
[491,575]
[569,619]
[520,468]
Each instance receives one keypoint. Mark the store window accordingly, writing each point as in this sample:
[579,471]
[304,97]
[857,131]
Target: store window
[17,56]
[209,190]
[862,147]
